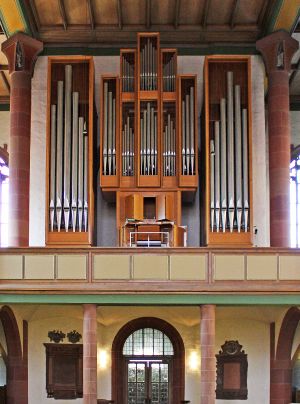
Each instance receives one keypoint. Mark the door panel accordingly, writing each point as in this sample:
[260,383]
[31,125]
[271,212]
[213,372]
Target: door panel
[136,390]
[159,383]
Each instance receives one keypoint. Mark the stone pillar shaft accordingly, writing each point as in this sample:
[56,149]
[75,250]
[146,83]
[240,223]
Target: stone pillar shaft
[89,353]
[208,359]
[21,51]
[277,50]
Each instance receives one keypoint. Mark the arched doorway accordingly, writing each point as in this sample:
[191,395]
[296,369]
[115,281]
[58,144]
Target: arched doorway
[148,363]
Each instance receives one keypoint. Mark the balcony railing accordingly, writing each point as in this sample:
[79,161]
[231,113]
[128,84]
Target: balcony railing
[125,270]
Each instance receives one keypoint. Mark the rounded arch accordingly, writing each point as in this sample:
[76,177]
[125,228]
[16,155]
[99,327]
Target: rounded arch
[287,333]
[118,358]
[4,154]
[16,368]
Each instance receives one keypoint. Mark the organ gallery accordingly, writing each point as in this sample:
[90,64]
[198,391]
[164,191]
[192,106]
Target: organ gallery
[157,153]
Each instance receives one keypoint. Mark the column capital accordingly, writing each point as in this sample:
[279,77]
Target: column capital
[277,50]
[21,51]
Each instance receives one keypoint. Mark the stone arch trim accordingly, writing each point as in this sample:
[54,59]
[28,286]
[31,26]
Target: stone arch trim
[118,359]
[281,365]
[17,375]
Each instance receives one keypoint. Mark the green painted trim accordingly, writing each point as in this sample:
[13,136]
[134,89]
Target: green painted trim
[199,51]
[23,14]
[274,15]
[154,300]
[4,107]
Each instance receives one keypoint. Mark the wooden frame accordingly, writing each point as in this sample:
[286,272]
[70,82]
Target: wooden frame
[63,363]
[118,360]
[243,239]
[232,369]
[189,181]
[64,238]
[111,181]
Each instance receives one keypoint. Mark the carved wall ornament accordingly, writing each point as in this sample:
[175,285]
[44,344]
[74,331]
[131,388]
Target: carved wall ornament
[232,369]
[19,62]
[74,336]
[56,336]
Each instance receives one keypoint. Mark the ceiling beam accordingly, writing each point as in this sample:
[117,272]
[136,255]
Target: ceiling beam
[35,14]
[63,13]
[262,12]
[205,13]
[234,13]
[148,14]
[91,14]
[120,17]
[177,12]
[3,67]
[5,81]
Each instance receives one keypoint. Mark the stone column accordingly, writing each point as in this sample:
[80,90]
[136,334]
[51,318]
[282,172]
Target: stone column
[21,51]
[208,359]
[277,50]
[89,354]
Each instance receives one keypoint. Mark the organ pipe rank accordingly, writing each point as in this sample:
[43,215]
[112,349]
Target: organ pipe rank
[109,132]
[68,161]
[148,65]
[229,164]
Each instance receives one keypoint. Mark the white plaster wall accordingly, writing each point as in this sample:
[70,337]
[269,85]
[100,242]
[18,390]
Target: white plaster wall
[110,64]
[37,198]
[253,334]
[4,127]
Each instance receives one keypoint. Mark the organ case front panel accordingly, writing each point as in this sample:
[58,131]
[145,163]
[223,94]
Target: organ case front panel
[228,150]
[69,209]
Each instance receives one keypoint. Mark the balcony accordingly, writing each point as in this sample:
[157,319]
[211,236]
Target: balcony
[192,271]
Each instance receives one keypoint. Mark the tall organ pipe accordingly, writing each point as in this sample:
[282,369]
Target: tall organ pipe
[80,172]
[192,120]
[67,144]
[74,158]
[212,184]
[59,153]
[230,154]
[105,128]
[238,154]
[217,173]
[53,165]
[85,179]
[223,164]
[245,168]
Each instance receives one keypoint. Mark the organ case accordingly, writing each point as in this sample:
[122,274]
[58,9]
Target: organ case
[228,150]
[69,202]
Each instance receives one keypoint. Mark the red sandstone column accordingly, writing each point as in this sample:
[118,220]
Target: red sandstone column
[277,50]
[21,52]
[208,359]
[89,353]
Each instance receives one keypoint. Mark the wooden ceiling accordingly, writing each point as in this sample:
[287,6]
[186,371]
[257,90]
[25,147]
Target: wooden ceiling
[116,22]
[4,75]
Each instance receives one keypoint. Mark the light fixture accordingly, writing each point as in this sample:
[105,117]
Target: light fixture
[194,361]
[102,358]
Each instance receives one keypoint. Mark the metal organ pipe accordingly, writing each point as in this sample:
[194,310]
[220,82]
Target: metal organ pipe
[229,163]
[68,160]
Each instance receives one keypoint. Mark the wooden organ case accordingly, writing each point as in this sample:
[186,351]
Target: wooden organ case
[70,200]
[228,151]
[148,144]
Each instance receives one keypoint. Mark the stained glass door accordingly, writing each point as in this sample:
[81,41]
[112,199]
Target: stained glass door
[147,382]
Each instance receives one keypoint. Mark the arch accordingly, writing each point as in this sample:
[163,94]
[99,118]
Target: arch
[4,154]
[118,358]
[17,382]
[281,366]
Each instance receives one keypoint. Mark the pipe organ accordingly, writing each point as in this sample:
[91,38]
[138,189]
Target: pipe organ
[70,203]
[149,137]
[228,136]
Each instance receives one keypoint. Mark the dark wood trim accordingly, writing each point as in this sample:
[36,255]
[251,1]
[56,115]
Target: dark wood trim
[3,67]
[63,13]
[205,14]
[118,361]
[262,12]
[234,13]
[148,14]
[4,154]
[35,14]
[91,14]
[177,14]
[272,341]
[120,17]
